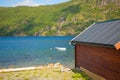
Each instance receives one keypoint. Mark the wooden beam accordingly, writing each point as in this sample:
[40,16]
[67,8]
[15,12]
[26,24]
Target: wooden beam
[92,75]
[75,55]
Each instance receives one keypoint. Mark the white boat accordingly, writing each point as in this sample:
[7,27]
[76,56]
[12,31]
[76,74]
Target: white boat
[61,48]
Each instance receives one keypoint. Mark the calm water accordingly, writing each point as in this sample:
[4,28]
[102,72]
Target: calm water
[34,51]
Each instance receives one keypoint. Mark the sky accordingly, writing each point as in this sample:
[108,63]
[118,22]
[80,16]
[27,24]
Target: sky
[13,3]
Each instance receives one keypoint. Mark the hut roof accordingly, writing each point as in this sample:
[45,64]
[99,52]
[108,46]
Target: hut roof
[102,33]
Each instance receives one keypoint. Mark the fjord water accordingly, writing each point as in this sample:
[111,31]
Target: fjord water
[35,51]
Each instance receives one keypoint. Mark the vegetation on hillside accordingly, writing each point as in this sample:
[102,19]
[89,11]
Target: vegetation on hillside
[69,18]
[44,74]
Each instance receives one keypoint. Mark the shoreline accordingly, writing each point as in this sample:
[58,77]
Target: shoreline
[17,69]
[49,66]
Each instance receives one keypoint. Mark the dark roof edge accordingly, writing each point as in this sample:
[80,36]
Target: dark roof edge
[88,43]
[109,20]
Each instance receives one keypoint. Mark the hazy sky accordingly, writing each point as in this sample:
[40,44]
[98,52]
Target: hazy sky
[12,3]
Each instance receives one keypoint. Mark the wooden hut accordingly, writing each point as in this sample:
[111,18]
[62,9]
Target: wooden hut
[97,50]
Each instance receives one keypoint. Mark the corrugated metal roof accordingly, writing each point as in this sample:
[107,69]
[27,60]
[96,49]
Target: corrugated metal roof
[106,33]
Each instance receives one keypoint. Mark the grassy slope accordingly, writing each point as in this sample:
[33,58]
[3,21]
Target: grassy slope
[68,18]
[44,74]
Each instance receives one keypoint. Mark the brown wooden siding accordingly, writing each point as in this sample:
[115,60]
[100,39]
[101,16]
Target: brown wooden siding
[102,61]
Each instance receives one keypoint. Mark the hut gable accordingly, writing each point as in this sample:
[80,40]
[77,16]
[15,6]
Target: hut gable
[97,50]
[101,33]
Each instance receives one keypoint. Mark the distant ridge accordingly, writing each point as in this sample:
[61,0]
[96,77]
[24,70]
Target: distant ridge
[68,18]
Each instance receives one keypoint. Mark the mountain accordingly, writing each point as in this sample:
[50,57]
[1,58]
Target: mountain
[68,18]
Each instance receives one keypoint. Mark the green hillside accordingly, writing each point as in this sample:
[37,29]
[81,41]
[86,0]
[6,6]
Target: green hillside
[69,18]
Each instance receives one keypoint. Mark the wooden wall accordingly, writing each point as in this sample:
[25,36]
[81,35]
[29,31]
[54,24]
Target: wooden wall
[102,61]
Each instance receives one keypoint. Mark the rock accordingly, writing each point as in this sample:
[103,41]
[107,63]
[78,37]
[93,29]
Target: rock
[36,34]
[57,65]
[63,69]
[50,65]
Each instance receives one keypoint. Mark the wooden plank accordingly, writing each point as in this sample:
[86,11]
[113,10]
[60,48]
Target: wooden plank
[75,56]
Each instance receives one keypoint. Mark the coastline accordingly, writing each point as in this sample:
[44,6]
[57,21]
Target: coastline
[49,66]
[44,72]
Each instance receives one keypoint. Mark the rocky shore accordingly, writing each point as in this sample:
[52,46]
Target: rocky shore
[49,66]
